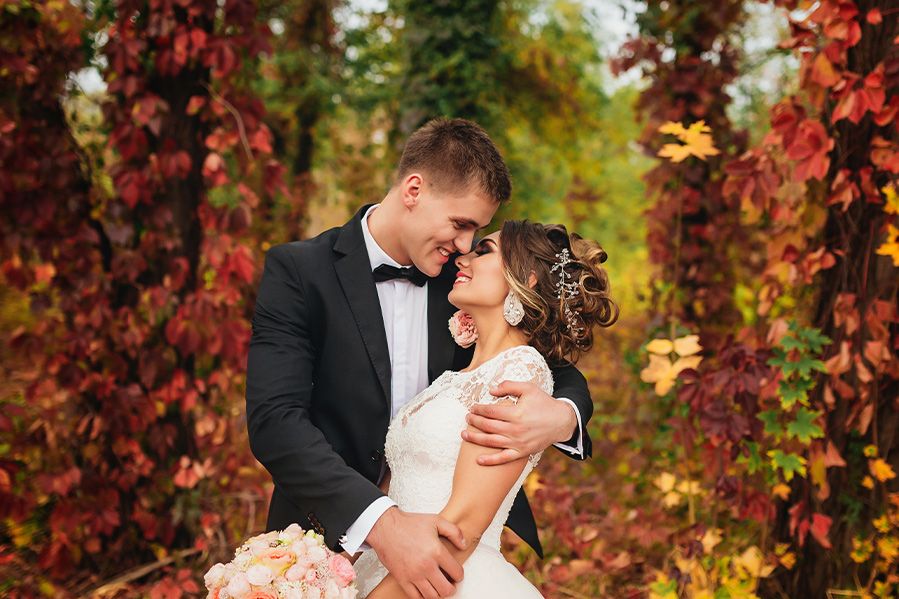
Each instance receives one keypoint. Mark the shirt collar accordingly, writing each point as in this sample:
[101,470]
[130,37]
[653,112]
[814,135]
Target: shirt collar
[376,255]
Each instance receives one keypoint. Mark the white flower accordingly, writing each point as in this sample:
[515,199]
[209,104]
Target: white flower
[293,531]
[313,593]
[242,561]
[317,553]
[215,576]
[293,593]
[331,590]
[238,586]
[298,547]
[348,592]
[259,575]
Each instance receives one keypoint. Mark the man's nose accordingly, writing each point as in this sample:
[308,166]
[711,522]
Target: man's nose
[464,242]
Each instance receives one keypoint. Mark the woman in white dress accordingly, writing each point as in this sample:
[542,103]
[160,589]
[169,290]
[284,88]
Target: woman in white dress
[534,294]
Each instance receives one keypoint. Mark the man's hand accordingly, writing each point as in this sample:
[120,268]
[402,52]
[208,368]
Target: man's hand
[529,426]
[409,546]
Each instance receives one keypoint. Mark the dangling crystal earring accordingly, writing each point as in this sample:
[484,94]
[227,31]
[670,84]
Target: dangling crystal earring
[513,311]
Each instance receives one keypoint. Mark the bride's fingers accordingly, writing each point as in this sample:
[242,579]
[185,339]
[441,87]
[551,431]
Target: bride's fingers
[450,567]
[427,590]
[411,590]
[500,457]
[451,533]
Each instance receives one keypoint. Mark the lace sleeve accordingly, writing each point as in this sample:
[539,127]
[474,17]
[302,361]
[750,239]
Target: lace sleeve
[523,364]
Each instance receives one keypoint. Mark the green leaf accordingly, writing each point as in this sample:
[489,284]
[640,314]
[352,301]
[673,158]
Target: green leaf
[790,463]
[790,393]
[753,461]
[804,427]
[814,339]
[772,424]
[804,366]
[788,343]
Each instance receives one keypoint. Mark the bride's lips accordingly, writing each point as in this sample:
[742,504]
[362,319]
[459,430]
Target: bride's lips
[461,277]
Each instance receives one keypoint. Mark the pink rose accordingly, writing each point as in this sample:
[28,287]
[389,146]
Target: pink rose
[462,328]
[278,559]
[342,570]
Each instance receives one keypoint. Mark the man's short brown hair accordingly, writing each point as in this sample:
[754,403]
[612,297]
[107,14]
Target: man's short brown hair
[456,153]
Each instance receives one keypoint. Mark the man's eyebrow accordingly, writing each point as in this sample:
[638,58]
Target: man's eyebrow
[470,222]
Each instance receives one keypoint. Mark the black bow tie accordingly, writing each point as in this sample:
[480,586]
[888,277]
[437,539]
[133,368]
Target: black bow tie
[385,272]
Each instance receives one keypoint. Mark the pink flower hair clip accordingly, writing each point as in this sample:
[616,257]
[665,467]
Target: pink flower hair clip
[462,328]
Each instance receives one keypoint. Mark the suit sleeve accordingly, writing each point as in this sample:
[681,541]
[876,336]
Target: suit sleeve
[571,384]
[280,366]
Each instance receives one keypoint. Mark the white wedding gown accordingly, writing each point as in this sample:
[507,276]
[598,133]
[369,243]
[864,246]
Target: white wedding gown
[422,446]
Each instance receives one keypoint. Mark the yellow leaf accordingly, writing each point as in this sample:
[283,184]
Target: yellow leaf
[687,346]
[868,482]
[665,482]
[881,470]
[662,347]
[689,487]
[753,562]
[891,198]
[661,372]
[870,451]
[684,363]
[676,152]
[788,560]
[882,524]
[671,499]
[781,490]
[888,547]
[710,539]
[673,128]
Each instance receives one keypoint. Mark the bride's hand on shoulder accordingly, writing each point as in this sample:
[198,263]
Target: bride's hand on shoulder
[533,423]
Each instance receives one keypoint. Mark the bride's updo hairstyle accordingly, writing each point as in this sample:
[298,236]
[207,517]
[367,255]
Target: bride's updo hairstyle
[531,248]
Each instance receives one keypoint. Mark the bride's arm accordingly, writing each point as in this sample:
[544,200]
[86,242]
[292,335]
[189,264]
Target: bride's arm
[477,494]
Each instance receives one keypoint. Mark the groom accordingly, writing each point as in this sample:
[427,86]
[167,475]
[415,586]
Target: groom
[352,324]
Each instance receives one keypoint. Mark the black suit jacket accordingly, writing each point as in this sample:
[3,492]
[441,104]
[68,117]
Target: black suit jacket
[318,381]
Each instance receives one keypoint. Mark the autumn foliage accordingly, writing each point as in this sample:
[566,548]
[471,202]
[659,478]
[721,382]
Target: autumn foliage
[745,431]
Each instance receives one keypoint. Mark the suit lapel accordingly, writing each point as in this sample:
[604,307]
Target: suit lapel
[354,273]
[441,346]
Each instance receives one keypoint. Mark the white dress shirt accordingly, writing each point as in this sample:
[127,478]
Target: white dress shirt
[404,307]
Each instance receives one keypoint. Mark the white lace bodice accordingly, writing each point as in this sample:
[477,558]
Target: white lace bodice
[423,441]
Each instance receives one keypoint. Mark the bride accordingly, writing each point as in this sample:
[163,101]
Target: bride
[534,294]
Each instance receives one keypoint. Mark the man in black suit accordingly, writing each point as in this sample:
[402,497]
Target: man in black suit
[352,324]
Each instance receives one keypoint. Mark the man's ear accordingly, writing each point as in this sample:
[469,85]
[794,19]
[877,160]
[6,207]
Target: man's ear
[411,188]
[532,280]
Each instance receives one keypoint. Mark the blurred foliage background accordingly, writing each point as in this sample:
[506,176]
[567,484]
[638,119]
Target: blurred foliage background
[736,159]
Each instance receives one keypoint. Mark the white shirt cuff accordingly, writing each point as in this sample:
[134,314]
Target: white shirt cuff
[579,450]
[354,539]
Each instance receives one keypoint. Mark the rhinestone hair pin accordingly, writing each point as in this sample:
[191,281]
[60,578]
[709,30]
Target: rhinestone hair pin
[566,288]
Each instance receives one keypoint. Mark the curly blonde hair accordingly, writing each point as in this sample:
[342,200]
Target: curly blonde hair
[529,252]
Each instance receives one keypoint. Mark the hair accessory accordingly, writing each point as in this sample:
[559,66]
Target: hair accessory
[513,310]
[566,288]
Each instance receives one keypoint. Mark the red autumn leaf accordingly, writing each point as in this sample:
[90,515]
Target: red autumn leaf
[195,104]
[811,149]
[874,17]
[823,72]
[820,527]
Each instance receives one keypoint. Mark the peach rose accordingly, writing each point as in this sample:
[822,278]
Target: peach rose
[261,594]
[278,559]
[462,328]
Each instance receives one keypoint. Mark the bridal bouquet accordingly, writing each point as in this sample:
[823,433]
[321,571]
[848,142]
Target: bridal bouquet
[288,564]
